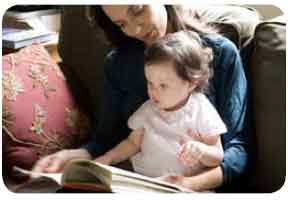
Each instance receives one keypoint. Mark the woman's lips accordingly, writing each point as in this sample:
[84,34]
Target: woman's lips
[147,36]
[150,35]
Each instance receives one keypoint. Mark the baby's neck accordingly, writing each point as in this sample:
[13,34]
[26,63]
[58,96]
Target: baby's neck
[178,105]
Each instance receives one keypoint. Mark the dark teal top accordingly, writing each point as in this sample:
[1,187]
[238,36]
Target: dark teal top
[125,90]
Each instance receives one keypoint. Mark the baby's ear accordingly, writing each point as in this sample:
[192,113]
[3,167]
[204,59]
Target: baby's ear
[193,84]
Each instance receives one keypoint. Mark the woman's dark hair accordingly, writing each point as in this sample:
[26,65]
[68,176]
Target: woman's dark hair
[185,50]
[114,34]
[116,37]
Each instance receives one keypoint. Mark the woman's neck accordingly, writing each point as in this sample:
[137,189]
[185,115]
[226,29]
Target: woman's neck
[169,28]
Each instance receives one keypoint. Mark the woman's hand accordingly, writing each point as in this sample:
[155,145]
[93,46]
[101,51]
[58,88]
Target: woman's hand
[104,159]
[178,180]
[56,162]
[174,179]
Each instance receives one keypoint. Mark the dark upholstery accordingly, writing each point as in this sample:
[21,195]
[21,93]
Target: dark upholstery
[267,76]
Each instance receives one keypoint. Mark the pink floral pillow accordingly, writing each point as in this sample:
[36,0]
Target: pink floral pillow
[39,115]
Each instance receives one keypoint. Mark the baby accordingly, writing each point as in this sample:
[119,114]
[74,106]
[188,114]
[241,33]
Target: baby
[177,130]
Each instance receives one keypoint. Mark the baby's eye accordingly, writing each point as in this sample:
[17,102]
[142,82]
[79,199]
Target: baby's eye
[163,86]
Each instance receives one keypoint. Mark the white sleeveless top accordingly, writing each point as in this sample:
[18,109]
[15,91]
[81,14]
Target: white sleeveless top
[164,131]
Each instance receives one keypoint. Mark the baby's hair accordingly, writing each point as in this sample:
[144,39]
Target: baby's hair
[189,56]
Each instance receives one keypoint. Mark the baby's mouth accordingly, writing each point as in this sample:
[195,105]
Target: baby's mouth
[154,101]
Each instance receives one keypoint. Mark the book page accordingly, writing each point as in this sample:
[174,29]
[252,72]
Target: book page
[83,175]
[138,178]
[114,178]
[53,176]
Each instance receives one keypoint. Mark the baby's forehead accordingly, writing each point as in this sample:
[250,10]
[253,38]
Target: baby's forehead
[161,63]
[162,71]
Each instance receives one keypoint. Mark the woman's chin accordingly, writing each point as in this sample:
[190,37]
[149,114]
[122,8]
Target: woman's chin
[148,42]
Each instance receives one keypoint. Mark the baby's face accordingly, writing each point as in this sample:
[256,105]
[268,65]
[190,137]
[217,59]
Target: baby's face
[165,88]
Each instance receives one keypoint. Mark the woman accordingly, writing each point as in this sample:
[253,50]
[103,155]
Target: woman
[130,28]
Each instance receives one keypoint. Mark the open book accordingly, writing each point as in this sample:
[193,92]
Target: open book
[87,175]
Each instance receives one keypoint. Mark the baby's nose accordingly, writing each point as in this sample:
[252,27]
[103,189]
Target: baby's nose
[154,98]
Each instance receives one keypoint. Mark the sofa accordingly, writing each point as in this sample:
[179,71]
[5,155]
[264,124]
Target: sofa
[262,45]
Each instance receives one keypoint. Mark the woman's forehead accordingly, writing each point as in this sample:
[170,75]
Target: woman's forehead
[116,12]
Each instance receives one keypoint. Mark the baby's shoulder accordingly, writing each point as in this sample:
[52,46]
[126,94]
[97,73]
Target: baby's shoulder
[146,109]
[199,99]
[200,103]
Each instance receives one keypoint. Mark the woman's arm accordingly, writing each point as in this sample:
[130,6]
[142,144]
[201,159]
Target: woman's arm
[207,180]
[123,92]
[109,118]
[230,99]
[103,135]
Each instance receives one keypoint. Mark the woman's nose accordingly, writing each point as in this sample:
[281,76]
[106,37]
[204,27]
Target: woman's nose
[138,29]
[137,25]
[134,30]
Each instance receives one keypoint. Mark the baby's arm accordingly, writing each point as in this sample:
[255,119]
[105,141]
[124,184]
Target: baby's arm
[123,150]
[212,151]
[209,151]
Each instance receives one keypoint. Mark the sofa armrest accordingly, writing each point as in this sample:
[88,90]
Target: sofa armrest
[267,77]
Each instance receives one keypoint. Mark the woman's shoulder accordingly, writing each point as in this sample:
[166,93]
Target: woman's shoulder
[126,49]
[125,56]
[219,43]
[224,50]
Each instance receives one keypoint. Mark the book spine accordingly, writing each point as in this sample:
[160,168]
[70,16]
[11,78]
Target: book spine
[23,43]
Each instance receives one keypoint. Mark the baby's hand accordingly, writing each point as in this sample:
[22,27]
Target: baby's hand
[190,153]
[194,135]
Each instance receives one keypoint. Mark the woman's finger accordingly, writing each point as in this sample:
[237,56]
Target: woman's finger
[56,164]
[42,164]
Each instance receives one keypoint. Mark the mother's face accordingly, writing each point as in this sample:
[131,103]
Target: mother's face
[143,22]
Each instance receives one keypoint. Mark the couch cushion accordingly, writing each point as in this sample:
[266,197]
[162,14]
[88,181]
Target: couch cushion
[39,114]
[235,22]
[267,72]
